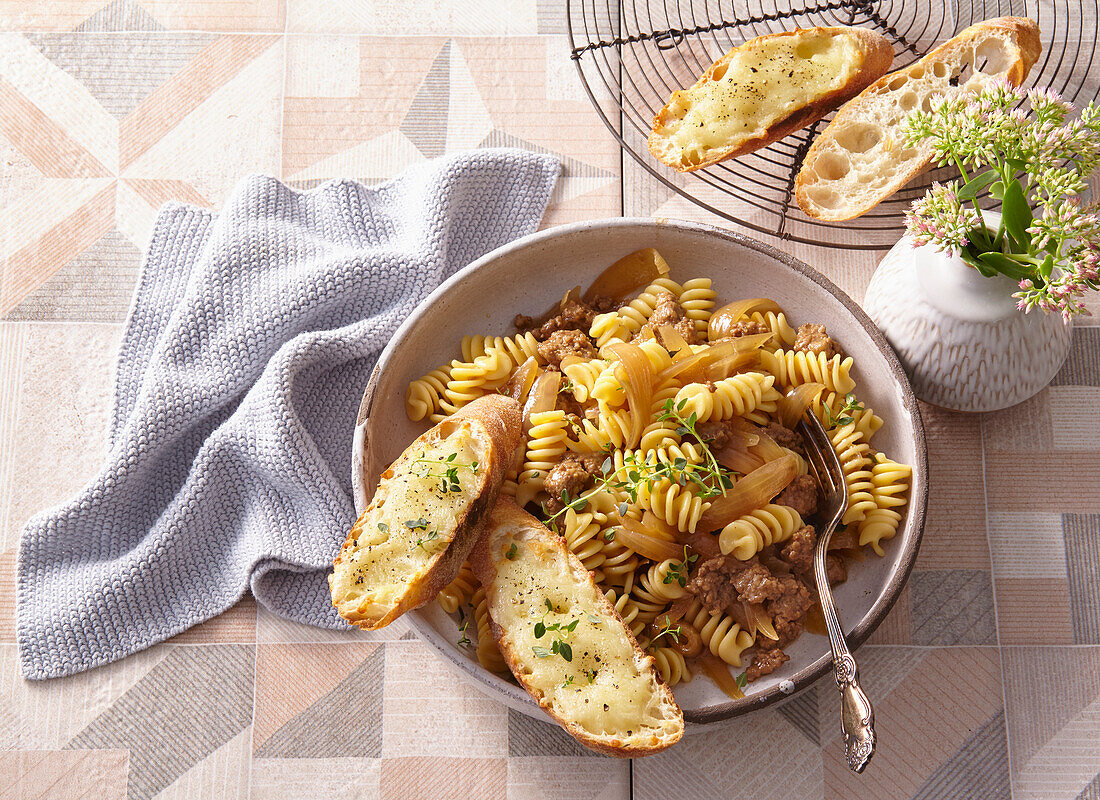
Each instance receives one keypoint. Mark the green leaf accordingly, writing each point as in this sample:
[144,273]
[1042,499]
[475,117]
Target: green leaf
[971,258]
[1046,269]
[997,189]
[1016,164]
[540,630]
[971,188]
[566,651]
[1004,265]
[541,652]
[1017,216]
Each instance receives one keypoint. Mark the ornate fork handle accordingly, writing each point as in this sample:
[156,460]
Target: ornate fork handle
[857,716]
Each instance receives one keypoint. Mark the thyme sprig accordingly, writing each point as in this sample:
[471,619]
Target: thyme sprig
[678,570]
[844,413]
[558,645]
[667,629]
[448,472]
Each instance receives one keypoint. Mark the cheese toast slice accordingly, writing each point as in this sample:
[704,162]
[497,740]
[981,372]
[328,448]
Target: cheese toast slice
[764,90]
[413,538]
[564,642]
[860,159]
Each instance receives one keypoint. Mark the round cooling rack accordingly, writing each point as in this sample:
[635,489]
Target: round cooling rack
[632,54]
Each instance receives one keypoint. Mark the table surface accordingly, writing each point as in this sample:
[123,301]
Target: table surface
[985,676]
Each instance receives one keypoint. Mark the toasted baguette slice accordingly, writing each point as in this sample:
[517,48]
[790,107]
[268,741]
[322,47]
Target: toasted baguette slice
[763,90]
[413,538]
[860,159]
[608,695]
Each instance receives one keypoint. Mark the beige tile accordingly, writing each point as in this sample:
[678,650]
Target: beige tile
[1027,545]
[919,724]
[315,778]
[1072,414]
[1034,610]
[273,629]
[222,15]
[238,624]
[1067,481]
[430,711]
[64,775]
[7,596]
[292,677]
[550,776]
[417,18]
[896,628]
[434,776]
[65,402]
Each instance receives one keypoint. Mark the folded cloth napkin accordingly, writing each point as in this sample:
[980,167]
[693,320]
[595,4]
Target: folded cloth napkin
[251,337]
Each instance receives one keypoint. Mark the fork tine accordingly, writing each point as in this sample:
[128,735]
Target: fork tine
[829,455]
[818,458]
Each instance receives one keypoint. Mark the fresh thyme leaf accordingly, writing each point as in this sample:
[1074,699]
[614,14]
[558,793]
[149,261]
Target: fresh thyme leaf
[593,619]
[417,524]
[742,679]
[383,527]
[609,535]
[465,640]
[568,680]
[565,650]
[668,630]
[540,630]
[541,652]
[511,554]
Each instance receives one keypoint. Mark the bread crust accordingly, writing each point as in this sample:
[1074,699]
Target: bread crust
[496,419]
[483,559]
[877,54]
[1022,31]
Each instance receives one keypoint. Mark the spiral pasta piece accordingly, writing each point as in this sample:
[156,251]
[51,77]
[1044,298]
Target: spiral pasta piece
[636,313]
[488,654]
[657,433]
[626,609]
[619,565]
[720,634]
[829,409]
[424,395]
[748,535]
[607,389]
[608,328]
[459,591]
[890,480]
[734,396]
[782,332]
[583,534]
[794,367]
[582,374]
[612,429]
[674,504]
[545,447]
[855,462]
[661,582]
[670,665]
[697,300]
[879,525]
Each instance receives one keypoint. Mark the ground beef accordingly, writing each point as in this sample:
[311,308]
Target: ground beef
[715,435]
[574,315]
[785,437]
[789,609]
[765,662]
[813,339]
[756,584]
[799,550]
[570,475]
[667,312]
[745,328]
[712,583]
[801,494]
[560,344]
[835,569]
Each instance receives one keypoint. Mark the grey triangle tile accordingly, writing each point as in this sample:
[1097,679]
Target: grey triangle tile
[120,70]
[425,124]
[532,737]
[1092,791]
[952,607]
[978,769]
[573,168]
[802,712]
[96,286]
[185,708]
[344,723]
[121,15]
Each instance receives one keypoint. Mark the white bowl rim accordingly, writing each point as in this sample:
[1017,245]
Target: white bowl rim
[515,696]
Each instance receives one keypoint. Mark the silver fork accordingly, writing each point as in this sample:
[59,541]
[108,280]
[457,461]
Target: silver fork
[857,716]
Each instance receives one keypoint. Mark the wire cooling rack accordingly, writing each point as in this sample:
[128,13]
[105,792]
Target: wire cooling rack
[632,54]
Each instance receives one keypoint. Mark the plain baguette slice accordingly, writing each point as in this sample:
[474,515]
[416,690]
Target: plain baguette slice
[764,90]
[608,696]
[416,533]
[860,159]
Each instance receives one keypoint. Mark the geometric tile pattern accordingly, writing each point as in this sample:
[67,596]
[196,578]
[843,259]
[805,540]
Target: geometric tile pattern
[985,675]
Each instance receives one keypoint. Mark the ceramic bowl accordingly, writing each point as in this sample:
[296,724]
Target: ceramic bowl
[528,276]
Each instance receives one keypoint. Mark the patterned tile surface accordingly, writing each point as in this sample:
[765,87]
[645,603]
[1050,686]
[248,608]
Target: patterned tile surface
[985,675]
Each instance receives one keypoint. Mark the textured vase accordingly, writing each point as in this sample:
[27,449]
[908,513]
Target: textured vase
[959,335]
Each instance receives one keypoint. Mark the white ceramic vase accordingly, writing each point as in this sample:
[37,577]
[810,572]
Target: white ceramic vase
[959,335]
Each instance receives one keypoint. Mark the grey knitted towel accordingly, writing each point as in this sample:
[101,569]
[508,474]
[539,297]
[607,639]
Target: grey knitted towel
[250,340]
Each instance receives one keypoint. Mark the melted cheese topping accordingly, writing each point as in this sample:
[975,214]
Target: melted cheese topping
[410,522]
[602,688]
[758,88]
